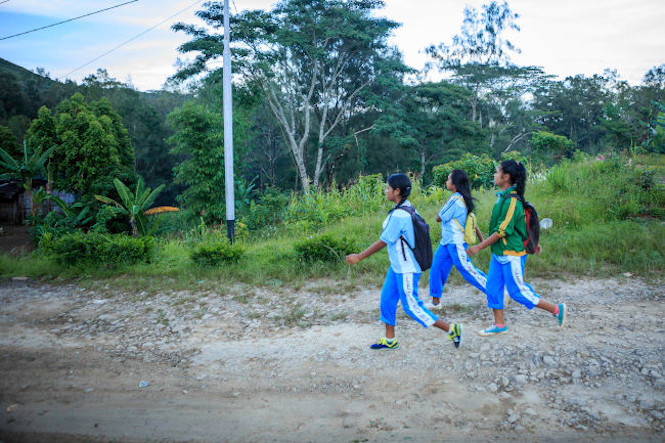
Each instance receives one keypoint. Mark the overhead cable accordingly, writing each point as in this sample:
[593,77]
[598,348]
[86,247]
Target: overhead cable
[133,38]
[66,21]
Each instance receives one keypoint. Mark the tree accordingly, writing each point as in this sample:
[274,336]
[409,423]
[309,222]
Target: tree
[429,119]
[25,169]
[9,143]
[198,137]
[134,206]
[478,56]
[93,147]
[42,133]
[311,58]
[574,108]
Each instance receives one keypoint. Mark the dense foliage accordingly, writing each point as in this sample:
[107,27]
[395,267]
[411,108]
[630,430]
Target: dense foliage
[324,111]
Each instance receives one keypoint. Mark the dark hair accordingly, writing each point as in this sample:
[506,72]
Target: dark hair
[401,182]
[461,182]
[517,173]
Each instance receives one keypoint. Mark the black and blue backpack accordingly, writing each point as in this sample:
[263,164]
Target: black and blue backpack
[422,250]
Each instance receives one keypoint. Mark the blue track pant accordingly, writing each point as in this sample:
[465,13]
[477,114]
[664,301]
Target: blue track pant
[511,276]
[444,258]
[403,288]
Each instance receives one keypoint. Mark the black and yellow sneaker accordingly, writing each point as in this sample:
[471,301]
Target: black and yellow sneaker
[385,344]
[455,334]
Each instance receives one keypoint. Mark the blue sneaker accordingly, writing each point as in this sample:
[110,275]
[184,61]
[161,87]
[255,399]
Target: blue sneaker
[561,317]
[493,330]
[385,344]
[455,334]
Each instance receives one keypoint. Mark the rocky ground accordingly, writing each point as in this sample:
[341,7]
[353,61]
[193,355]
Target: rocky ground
[279,364]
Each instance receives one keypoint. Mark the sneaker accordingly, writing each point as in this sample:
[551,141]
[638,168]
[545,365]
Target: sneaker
[493,330]
[561,317]
[431,306]
[385,344]
[455,334]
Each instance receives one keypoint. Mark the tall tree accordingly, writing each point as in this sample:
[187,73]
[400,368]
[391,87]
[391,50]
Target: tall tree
[479,55]
[574,108]
[311,59]
[198,137]
[92,146]
[430,120]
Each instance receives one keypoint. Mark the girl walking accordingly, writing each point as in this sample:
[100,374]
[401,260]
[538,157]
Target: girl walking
[452,249]
[401,283]
[507,234]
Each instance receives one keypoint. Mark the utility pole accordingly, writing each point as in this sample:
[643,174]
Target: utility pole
[228,129]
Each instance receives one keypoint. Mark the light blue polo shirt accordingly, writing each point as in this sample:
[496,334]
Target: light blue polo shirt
[454,209]
[398,224]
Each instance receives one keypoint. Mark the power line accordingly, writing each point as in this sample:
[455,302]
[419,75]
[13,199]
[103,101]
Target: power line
[4,2]
[133,38]
[69,20]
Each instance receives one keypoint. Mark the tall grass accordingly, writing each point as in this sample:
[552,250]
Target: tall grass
[608,218]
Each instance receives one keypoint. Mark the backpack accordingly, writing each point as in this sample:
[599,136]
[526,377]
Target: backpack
[532,226]
[469,229]
[422,250]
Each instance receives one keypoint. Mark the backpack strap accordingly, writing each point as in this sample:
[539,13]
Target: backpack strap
[457,197]
[524,203]
[410,212]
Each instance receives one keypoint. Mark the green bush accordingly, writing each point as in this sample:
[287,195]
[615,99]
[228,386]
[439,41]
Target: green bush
[548,144]
[95,248]
[268,211]
[216,253]
[480,170]
[321,208]
[324,247]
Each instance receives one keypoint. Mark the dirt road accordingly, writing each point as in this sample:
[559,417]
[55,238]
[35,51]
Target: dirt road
[248,364]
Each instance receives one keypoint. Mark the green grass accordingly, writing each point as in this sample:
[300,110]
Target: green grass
[608,219]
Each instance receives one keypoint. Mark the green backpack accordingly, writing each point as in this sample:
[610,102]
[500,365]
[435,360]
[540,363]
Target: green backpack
[470,236]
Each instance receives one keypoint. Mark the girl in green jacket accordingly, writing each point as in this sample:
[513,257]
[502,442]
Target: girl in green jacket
[507,235]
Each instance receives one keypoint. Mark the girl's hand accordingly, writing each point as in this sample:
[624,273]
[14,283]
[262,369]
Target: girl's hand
[473,250]
[352,259]
[539,249]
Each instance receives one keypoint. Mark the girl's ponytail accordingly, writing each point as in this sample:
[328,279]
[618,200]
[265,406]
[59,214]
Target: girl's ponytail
[517,173]
[461,182]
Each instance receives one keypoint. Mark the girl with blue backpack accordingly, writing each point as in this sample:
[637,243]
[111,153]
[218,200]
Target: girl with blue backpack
[452,248]
[401,282]
[508,231]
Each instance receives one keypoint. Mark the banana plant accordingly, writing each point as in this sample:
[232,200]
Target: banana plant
[25,169]
[133,205]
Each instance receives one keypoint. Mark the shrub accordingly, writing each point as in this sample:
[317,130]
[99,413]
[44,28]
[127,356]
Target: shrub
[324,247]
[321,208]
[95,248]
[480,170]
[557,146]
[269,211]
[216,253]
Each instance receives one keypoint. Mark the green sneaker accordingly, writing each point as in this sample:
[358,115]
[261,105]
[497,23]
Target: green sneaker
[561,317]
[455,334]
[385,344]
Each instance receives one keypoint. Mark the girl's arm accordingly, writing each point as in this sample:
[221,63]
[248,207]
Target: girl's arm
[447,212]
[352,259]
[479,233]
[473,250]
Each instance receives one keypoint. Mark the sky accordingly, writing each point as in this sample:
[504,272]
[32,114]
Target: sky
[564,37]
